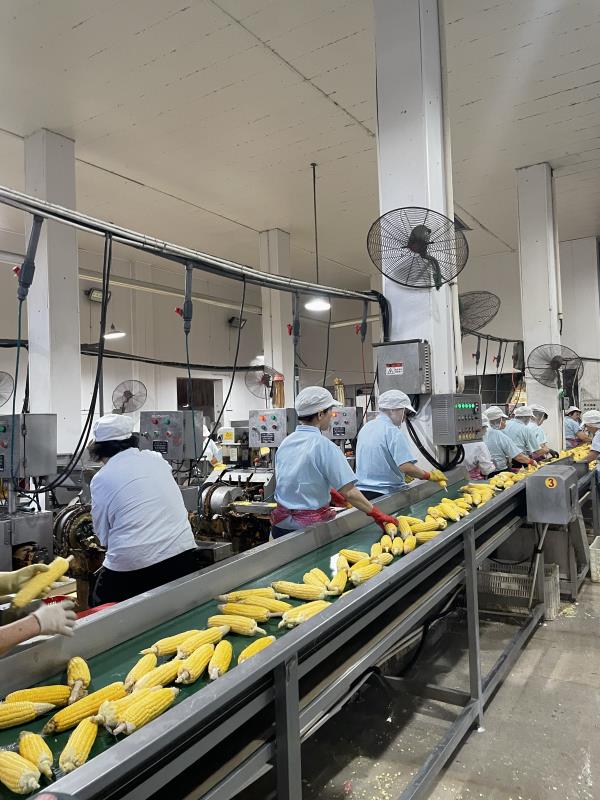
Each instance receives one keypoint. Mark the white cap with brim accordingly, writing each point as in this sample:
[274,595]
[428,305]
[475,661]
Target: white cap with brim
[538,409]
[523,411]
[394,398]
[494,413]
[591,417]
[485,421]
[312,400]
[571,409]
[112,428]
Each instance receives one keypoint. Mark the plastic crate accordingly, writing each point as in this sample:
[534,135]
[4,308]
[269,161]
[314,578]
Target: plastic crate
[506,587]
[595,560]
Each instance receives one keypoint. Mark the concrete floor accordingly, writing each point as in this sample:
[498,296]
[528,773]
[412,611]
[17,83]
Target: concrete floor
[542,728]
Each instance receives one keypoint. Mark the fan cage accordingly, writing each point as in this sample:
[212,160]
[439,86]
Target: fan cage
[477,309]
[554,365]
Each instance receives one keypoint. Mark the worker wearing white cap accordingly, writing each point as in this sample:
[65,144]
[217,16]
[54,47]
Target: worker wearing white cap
[308,466]
[519,430]
[503,449]
[591,422]
[574,435]
[138,515]
[211,451]
[383,455]
[478,459]
[540,415]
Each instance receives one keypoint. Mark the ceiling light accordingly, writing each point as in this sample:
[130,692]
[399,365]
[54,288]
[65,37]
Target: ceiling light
[317,304]
[114,333]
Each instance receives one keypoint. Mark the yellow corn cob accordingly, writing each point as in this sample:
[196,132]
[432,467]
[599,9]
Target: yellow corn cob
[109,713]
[78,678]
[17,774]
[425,536]
[352,556]
[403,527]
[86,707]
[386,543]
[34,748]
[42,580]
[254,648]
[193,667]
[55,695]
[311,580]
[432,525]
[12,714]
[443,485]
[258,613]
[160,676]
[301,613]
[243,594]
[449,512]
[275,607]
[219,663]
[364,562]
[209,636]
[409,544]
[300,591]
[376,550]
[475,497]
[169,645]
[79,745]
[465,500]
[341,563]
[147,709]
[434,511]
[410,520]
[440,523]
[243,626]
[320,576]
[338,583]
[383,558]
[391,530]
[363,574]
[145,664]
[398,546]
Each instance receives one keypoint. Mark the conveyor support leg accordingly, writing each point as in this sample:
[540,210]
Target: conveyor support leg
[287,720]
[475,683]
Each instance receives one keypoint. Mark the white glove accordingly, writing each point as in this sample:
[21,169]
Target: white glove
[56,618]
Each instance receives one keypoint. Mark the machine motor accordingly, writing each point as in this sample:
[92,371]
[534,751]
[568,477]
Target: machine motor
[551,494]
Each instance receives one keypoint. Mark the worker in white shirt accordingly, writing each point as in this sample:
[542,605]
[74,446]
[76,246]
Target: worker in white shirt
[138,515]
[478,459]
[211,451]
[591,422]
[520,431]
[574,435]
[504,451]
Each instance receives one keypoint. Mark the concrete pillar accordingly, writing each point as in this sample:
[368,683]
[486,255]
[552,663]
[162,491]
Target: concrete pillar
[53,301]
[274,257]
[538,261]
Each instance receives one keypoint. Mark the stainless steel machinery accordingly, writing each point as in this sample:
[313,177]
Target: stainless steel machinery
[171,433]
[456,418]
[344,423]
[405,366]
[269,427]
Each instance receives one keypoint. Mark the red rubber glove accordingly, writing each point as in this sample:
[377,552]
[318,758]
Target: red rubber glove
[382,519]
[337,499]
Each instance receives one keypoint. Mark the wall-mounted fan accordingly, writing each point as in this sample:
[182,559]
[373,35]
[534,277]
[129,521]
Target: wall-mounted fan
[259,382]
[555,365]
[129,396]
[477,309]
[417,247]
[7,386]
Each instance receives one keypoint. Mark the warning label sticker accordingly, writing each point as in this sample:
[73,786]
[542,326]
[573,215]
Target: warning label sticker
[396,368]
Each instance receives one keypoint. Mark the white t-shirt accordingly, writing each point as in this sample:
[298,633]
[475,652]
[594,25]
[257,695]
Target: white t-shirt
[138,511]
[477,456]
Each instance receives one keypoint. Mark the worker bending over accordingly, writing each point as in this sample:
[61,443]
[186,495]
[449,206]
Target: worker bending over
[521,432]
[503,449]
[138,515]
[478,459]
[383,455]
[308,466]
[591,421]
[574,435]
[540,415]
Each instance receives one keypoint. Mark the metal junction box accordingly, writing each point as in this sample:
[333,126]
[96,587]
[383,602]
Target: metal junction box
[269,427]
[34,446]
[405,366]
[344,423]
[456,418]
[21,529]
[551,494]
[171,434]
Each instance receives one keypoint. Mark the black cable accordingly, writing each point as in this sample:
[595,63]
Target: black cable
[481,379]
[420,447]
[327,349]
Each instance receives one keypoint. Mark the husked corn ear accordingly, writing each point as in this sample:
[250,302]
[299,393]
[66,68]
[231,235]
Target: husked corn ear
[425,527]
[398,546]
[376,550]
[364,562]
[145,664]
[363,574]
[193,666]
[209,636]
[341,563]
[17,774]
[242,594]
[385,559]
[465,500]
[409,544]
[301,613]
[34,748]
[148,708]
[352,556]
[403,527]
[12,714]
[391,530]
[55,695]
[243,626]
[320,576]
[338,583]
[410,520]
[109,713]
[386,543]
[41,581]
[300,591]
[78,678]
[86,707]
[311,580]
[258,613]
[425,536]
[274,607]
[254,648]
[169,645]
[221,659]
[159,676]
[79,745]
[440,522]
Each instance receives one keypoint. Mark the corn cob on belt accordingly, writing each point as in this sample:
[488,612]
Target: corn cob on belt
[117,661]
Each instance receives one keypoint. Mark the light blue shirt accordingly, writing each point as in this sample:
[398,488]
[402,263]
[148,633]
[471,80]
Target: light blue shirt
[522,436]
[572,428]
[381,446]
[596,442]
[539,433]
[307,467]
[501,447]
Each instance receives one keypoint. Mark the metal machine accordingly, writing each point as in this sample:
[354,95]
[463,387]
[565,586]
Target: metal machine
[171,433]
[344,424]
[269,427]
[456,418]
[405,366]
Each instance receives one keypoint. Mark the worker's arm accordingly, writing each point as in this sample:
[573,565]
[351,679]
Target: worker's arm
[45,621]
[414,470]
[583,437]
[591,456]
[486,462]
[356,498]
[523,459]
[16,632]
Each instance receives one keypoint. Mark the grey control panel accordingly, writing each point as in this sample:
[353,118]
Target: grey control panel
[33,445]
[456,418]
[269,427]
[344,423]
[171,433]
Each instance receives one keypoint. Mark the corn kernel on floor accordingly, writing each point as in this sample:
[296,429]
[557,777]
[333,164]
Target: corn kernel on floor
[115,663]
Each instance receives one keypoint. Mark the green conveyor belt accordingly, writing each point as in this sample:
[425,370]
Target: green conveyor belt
[115,662]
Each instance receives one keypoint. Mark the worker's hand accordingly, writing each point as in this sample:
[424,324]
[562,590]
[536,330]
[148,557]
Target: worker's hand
[382,519]
[437,475]
[554,453]
[56,618]
[11,582]
[338,500]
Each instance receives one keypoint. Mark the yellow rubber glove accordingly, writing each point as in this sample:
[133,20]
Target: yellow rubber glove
[11,582]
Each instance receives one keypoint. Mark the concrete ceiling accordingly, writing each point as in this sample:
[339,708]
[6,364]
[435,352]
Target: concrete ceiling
[196,120]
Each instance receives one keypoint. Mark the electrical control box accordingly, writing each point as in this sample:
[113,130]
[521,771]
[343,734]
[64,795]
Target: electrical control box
[551,494]
[344,423]
[405,366]
[171,433]
[33,445]
[269,427]
[589,404]
[456,419]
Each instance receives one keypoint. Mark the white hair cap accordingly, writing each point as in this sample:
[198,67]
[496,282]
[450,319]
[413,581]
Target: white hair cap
[494,412]
[523,411]
[312,400]
[392,399]
[485,421]
[571,409]
[112,428]
[538,409]
[591,417]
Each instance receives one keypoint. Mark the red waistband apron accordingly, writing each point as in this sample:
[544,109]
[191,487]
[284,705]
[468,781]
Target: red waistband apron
[305,517]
